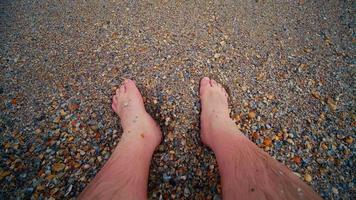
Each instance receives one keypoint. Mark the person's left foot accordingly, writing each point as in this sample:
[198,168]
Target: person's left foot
[135,121]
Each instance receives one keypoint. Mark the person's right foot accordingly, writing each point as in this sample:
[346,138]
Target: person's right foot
[214,120]
[137,124]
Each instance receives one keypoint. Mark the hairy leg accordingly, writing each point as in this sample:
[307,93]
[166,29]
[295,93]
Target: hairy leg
[246,171]
[125,175]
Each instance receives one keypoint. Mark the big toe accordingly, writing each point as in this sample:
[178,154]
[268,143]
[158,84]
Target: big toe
[205,81]
[129,84]
[204,84]
[132,92]
[131,88]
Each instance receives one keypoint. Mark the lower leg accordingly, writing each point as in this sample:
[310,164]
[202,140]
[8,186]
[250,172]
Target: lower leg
[246,171]
[125,175]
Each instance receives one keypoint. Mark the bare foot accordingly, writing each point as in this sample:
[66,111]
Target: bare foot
[136,122]
[125,174]
[214,119]
[246,171]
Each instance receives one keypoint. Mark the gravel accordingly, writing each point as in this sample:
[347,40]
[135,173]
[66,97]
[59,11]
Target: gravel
[288,66]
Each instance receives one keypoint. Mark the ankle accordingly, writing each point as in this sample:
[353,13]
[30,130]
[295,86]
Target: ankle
[217,129]
[142,129]
[227,140]
[136,145]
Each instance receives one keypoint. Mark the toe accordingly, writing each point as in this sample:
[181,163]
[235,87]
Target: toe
[131,87]
[204,81]
[114,98]
[224,91]
[113,106]
[129,83]
[122,89]
[114,102]
[213,83]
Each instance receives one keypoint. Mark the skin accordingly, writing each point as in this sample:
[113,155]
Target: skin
[246,171]
[125,174]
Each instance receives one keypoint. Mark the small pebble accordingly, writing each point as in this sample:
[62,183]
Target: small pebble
[308,178]
[335,190]
[186,192]
[290,141]
[251,114]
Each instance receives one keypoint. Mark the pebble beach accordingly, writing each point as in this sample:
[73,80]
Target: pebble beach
[288,66]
